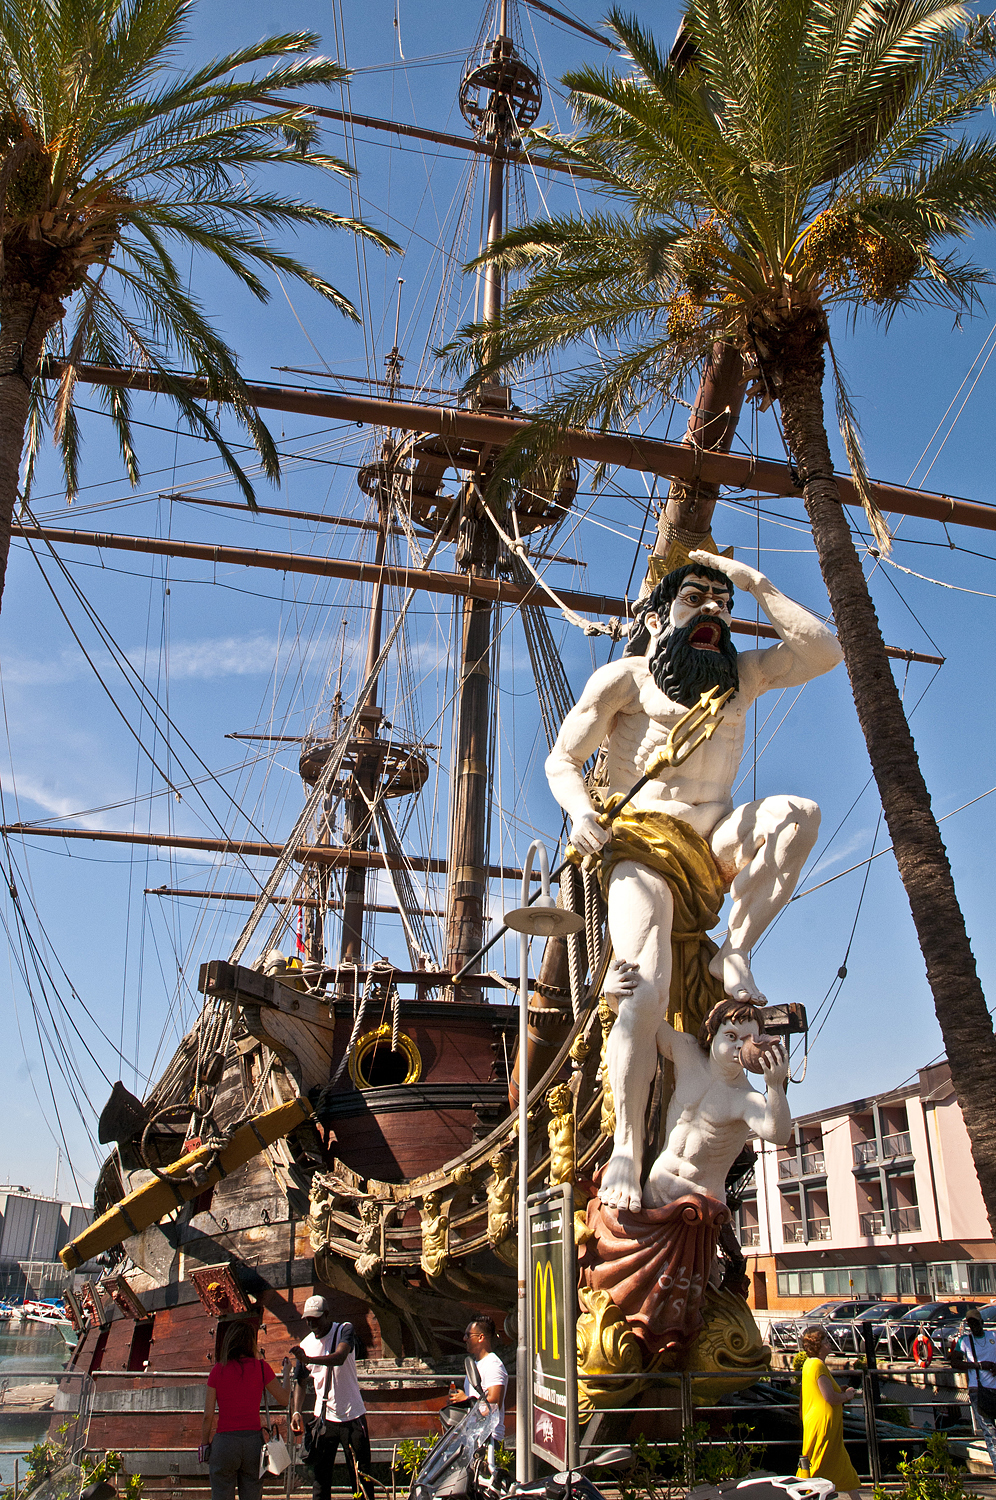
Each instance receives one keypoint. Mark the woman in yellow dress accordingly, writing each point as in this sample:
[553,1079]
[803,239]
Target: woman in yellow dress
[823,1402]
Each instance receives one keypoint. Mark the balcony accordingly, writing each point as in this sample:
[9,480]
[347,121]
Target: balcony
[873,1223]
[788,1167]
[750,1234]
[794,1233]
[813,1164]
[906,1220]
[897,1144]
[819,1229]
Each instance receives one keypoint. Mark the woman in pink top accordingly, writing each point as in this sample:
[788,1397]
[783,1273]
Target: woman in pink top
[231,1415]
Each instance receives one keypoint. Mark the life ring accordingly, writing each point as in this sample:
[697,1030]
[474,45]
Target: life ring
[923,1349]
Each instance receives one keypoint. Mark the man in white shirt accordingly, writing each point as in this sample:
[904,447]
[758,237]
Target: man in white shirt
[479,1341]
[976,1353]
[327,1351]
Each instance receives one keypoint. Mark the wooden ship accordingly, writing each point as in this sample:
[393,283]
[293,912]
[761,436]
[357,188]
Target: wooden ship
[344,1126]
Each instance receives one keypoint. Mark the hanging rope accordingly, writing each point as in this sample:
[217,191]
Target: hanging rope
[592,919]
[569,896]
[395,1018]
[357,1023]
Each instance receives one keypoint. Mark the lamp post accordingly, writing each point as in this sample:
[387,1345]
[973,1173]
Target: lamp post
[542,918]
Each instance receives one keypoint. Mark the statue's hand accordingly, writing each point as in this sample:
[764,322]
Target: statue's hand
[774,1065]
[621,979]
[587,833]
[740,574]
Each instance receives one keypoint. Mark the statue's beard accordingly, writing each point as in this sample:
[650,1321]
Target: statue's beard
[684,672]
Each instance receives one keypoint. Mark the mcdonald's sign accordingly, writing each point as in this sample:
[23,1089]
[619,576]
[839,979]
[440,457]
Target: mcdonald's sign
[545,1308]
[552,1321]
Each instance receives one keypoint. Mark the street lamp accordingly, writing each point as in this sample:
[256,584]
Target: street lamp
[541,917]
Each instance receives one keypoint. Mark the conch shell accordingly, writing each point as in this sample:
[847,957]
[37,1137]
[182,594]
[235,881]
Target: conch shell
[754,1048]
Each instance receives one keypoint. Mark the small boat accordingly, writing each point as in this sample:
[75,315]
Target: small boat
[43,1312]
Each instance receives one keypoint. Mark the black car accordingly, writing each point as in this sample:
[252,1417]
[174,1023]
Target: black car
[944,1334]
[786,1335]
[845,1331]
[929,1315]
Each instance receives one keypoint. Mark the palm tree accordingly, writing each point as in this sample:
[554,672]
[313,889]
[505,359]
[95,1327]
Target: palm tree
[811,156]
[115,168]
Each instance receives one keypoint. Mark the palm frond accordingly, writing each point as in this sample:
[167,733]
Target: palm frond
[851,434]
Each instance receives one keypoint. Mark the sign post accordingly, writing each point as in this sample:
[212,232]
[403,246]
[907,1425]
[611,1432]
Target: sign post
[552,1314]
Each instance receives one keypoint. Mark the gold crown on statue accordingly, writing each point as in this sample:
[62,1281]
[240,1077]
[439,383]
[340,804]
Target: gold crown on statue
[677,555]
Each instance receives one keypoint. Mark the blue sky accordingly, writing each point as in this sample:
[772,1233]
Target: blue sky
[226,649]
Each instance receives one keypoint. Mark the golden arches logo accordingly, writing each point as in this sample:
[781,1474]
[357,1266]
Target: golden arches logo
[542,1285]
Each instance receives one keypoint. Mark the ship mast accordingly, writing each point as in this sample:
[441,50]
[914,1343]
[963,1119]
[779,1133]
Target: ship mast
[499,97]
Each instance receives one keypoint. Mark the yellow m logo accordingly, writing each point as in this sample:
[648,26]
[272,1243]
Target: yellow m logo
[542,1285]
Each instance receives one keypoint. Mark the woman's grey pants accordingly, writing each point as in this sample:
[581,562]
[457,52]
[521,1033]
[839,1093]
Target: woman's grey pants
[235,1462]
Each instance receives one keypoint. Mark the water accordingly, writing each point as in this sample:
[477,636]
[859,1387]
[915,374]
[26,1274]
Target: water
[34,1356]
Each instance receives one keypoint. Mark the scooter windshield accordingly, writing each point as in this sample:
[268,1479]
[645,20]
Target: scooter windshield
[456,1450]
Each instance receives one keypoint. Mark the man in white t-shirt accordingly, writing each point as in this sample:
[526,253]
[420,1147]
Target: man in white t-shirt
[327,1351]
[975,1352]
[479,1340]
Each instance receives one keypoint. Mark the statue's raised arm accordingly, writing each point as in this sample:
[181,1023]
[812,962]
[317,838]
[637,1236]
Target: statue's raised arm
[807,647]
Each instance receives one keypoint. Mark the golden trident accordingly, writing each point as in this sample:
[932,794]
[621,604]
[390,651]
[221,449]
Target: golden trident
[703,717]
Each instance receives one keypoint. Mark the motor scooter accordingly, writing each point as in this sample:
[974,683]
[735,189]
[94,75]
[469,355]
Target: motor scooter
[463,1462]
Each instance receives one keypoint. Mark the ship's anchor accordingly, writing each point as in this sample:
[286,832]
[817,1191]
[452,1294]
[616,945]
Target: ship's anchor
[703,716]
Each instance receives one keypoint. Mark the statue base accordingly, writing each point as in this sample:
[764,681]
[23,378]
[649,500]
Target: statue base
[646,1305]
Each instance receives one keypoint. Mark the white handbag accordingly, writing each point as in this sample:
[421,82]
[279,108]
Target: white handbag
[275,1457]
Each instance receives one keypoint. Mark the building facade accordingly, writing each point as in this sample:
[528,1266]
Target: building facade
[875,1198]
[33,1229]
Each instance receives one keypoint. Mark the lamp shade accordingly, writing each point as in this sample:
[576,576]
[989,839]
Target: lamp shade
[544,918]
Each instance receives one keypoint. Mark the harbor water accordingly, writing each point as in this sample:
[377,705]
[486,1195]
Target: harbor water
[37,1354]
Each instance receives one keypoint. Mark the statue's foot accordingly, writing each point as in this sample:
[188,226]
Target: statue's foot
[732,968]
[620,1185]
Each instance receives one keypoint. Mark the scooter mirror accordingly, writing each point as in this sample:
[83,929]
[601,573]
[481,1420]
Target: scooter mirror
[620,1455]
[473,1375]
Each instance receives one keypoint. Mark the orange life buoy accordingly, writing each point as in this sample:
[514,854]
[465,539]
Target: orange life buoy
[923,1349]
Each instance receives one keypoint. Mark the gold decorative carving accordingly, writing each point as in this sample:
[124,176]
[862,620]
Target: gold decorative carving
[580,1048]
[370,1259]
[606,1346]
[560,1133]
[323,1201]
[729,1341]
[607,1124]
[501,1191]
[435,1235]
[367,1045]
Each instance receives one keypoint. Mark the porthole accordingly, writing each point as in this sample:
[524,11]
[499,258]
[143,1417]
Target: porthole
[376,1065]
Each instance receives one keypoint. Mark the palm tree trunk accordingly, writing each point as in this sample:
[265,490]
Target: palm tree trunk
[25,319]
[962,1013]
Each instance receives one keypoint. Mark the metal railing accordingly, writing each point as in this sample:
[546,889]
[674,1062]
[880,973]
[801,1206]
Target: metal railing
[873,1223]
[868,1418]
[897,1144]
[905,1220]
[813,1163]
[788,1166]
[750,1234]
[819,1229]
[794,1233]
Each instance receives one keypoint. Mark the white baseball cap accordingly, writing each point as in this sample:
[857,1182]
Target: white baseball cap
[316,1307]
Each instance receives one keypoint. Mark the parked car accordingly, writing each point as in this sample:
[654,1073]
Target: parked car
[945,1333]
[846,1332]
[929,1315]
[786,1334]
